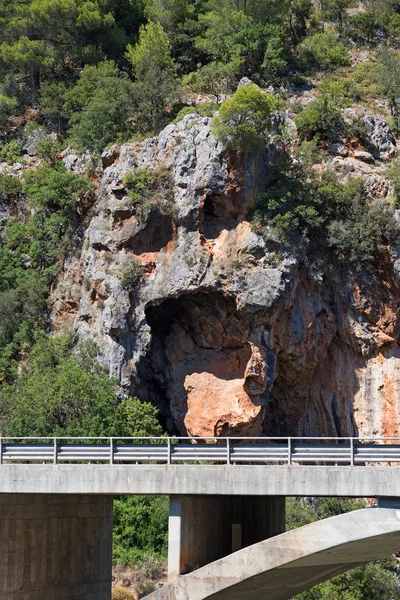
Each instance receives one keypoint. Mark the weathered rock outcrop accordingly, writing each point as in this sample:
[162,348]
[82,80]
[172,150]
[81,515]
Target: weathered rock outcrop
[224,333]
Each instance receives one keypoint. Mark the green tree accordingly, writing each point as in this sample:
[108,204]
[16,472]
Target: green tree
[390,81]
[215,78]
[155,76]
[322,117]
[100,108]
[336,11]
[7,106]
[323,51]
[245,119]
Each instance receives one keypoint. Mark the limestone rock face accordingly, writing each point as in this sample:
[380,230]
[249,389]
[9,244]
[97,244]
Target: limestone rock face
[221,330]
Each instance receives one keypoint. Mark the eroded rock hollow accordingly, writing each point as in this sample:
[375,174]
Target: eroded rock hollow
[222,330]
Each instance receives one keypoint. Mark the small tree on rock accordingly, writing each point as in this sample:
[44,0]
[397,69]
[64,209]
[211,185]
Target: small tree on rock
[244,119]
[155,75]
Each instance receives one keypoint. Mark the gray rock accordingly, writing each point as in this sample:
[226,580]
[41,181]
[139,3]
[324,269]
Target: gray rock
[339,150]
[109,156]
[244,81]
[29,142]
[381,137]
[364,156]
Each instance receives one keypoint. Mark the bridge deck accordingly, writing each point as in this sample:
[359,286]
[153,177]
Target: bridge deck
[270,480]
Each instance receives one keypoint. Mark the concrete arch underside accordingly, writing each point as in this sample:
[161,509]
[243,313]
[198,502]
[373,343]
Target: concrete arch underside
[285,565]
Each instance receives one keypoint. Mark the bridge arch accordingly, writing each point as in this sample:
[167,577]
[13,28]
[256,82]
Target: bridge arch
[290,563]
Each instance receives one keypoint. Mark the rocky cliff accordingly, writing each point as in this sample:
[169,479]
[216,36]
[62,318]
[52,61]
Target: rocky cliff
[225,332]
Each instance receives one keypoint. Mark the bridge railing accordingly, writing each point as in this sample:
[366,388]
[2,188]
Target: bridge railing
[225,451]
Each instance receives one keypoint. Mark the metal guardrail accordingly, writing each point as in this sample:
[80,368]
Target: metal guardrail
[227,451]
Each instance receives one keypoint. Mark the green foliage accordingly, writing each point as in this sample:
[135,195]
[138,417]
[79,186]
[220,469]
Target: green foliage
[11,152]
[393,174]
[7,107]
[100,108]
[245,119]
[325,218]
[321,117]
[390,81]
[131,272]
[140,528]
[369,582]
[149,187]
[64,399]
[361,230]
[323,51]
[55,189]
[136,418]
[342,91]
[215,78]
[155,76]
[10,187]
[207,109]
[336,11]
[48,149]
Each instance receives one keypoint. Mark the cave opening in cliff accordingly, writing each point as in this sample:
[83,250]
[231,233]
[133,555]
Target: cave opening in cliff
[202,370]
[215,217]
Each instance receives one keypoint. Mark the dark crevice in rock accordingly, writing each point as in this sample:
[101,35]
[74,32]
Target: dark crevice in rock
[100,247]
[215,218]
[155,235]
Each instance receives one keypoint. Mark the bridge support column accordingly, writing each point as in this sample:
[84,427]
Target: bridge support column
[55,547]
[205,528]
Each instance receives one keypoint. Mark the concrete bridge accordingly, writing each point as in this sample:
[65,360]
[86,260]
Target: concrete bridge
[226,496]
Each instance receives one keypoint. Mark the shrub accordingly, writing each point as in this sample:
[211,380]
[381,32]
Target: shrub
[155,76]
[131,272]
[321,117]
[11,152]
[7,106]
[140,528]
[121,593]
[10,186]
[100,108]
[215,78]
[393,174]
[148,187]
[244,119]
[323,51]
[360,228]
[369,76]
[342,91]
[47,149]
[54,188]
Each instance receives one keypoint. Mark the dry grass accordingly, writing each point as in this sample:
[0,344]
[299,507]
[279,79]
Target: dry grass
[122,593]
[138,581]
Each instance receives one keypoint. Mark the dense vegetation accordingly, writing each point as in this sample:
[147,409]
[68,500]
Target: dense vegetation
[90,73]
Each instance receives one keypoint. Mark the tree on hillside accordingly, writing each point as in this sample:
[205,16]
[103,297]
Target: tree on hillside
[155,75]
[99,107]
[244,119]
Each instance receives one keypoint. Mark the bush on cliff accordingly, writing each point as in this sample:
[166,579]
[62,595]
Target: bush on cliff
[244,120]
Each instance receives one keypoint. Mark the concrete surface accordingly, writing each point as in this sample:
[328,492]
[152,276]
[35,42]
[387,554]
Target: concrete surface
[281,567]
[204,528]
[245,480]
[55,548]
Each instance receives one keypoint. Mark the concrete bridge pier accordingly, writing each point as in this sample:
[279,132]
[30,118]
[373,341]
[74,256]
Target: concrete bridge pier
[55,547]
[206,528]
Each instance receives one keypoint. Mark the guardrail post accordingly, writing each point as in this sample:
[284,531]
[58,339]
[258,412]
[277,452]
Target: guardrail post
[1,450]
[352,452]
[228,452]
[111,451]
[55,451]
[289,454]
[169,451]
